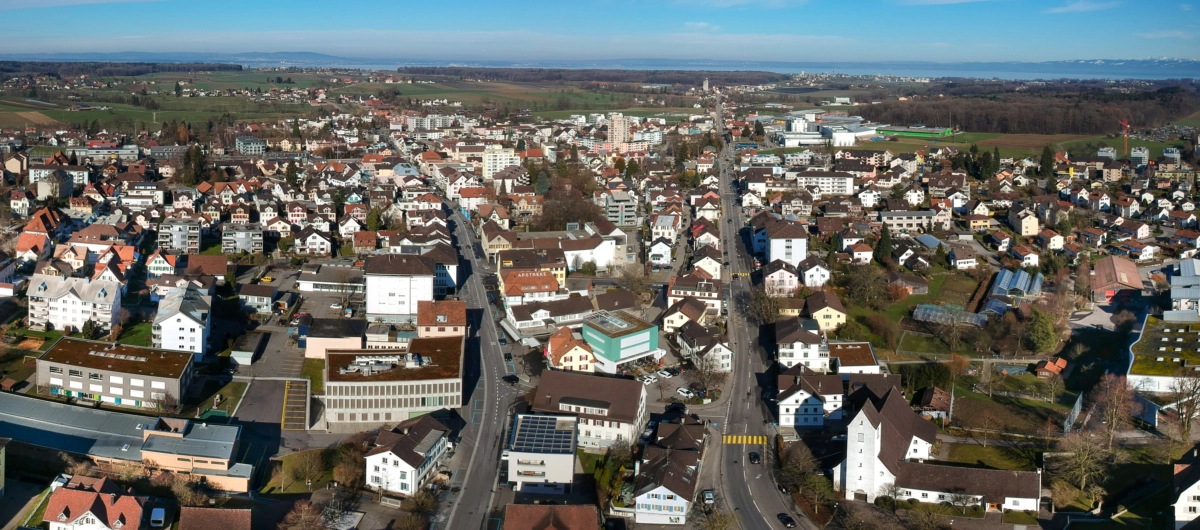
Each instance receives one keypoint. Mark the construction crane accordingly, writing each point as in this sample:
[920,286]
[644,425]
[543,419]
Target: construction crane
[1125,127]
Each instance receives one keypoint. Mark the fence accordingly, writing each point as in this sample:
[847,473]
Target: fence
[1074,414]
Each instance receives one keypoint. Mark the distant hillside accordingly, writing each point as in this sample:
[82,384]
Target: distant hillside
[9,69]
[541,75]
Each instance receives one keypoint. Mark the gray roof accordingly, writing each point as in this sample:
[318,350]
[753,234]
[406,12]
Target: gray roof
[93,291]
[186,301]
[107,434]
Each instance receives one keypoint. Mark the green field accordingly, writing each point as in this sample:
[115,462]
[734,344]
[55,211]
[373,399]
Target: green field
[1008,458]
[1190,121]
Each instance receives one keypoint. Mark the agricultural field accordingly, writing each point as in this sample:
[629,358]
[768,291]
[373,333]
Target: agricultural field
[193,110]
[1190,121]
[227,80]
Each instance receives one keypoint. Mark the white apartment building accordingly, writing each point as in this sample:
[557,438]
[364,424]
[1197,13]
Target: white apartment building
[183,322]
[618,130]
[395,283]
[787,241]
[68,303]
[606,409]
[496,158]
[828,182]
[406,457]
[810,400]
[800,346]
[541,453]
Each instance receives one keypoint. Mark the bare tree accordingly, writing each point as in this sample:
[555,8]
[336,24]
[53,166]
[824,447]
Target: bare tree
[632,278]
[348,474]
[1062,494]
[958,366]
[798,464]
[716,520]
[892,492]
[410,521]
[963,500]
[995,381]
[283,475]
[73,465]
[760,308]
[706,372]
[1185,392]
[304,516]
[1052,387]
[309,465]
[662,385]
[165,402]
[1083,459]
[850,517]
[188,493]
[423,503]
[988,425]
[925,520]
[1114,398]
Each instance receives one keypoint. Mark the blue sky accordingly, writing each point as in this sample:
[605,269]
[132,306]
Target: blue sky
[775,30]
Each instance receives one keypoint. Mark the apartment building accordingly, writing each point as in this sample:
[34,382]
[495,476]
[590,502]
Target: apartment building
[827,182]
[496,158]
[541,453]
[799,343]
[116,374]
[246,238]
[249,145]
[620,207]
[182,322]
[904,222]
[406,456]
[607,409]
[395,284]
[179,235]
[66,304]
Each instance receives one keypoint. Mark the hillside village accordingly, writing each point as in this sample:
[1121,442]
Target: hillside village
[392,279]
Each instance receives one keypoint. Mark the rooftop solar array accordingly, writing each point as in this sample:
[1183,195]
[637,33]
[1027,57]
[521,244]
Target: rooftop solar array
[543,434]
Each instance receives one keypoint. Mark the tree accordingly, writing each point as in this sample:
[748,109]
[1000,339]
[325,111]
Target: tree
[989,425]
[295,127]
[1082,460]
[75,466]
[850,517]
[995,381]
[957,365]
[304,516]
[758,129]
[892,492]
[1052,386]
[706,372]
[884,247]
[410,521]
[178,89]
[309,466]
[962,500]
[1114,399]
[620,453]
[865,285]
[520,145]
[798,464]
[924,519]
[375,220]
[885,328]
[188,493]
[632,278]
[291,174]
[348,474]
[423,503]
[632,168]
[1041,331]
[818,490]
[761,308]
[716,520]
[283,476]
[852,330]
[90,329]
[1062,494]
[1185,393]
[663,385]
[1046,165]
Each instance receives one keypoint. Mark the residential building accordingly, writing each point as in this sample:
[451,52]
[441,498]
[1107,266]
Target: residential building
[365,389]
[607,409]
[395,284]
[496,158]
[86,503]
[907,222]
[182,322]
[618,338]
[404,458]
[116,374]
[257,297]
[799,344]
[705,347]
[522,287]
[828,182]
[446,318]
[780,278]
[687,309]
[697,285]
[853,358]
[620,207]
[962,258]
[566,350]
[814,271]
[826,309]
[668,473]
[246,238]
[66,304]
[161,264]
[550,517]
[541,453]
[787,241]
[327,334]
[807,400]
[249,145]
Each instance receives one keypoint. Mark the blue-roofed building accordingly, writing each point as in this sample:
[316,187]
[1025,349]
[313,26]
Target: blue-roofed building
[929,241]
[994,307]
[1017,284]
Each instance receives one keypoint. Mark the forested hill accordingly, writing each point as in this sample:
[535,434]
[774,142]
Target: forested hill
[10,69]
[543,75]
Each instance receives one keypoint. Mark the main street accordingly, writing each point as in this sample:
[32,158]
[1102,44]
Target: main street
[748,490]
[485,412]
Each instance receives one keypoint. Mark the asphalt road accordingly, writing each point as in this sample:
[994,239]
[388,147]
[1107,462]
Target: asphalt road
[486,398]
[747,490]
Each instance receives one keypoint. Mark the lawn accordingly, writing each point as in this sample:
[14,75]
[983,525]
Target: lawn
[1023,416]
[588,461]
[299,485]
[49,336]
[16,369]
[901,309]
[312,370]
[920,344]
[231,393]
[992,457]
[137,335]
[213,249]
[1190,121]
[1020,517]
[34,519]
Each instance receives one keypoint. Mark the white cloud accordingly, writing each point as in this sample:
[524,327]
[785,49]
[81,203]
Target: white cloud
[1185,7]
[1083,6]
[700,26]
[36,4]
[1167,35]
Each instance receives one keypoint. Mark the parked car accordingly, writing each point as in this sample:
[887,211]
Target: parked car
[503,342]
[664,374]
[709,497]
[685,393]
[335,306]
[787,520]
[158,517]
[650,380]
[755,459]
[507,356]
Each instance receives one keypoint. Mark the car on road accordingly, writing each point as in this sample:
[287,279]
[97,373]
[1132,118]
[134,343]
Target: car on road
[335,306]
[755,459]
[685,393]
[787,520]
[510,379]
[709,497]
[664,374]
[726,252]
[729,220]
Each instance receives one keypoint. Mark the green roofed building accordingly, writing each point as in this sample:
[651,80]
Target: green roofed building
[617,338]
[916,131]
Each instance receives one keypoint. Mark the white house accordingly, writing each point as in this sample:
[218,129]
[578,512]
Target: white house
[800,346]
[395,283]
[182,322]
[1186,494]
[787,241]
[666,482]
[780,278]
[810,399]
[541,453]
[606,409]
[660,252]
[814,271]
[406,457]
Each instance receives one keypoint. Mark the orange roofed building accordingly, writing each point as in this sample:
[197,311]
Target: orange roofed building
[568,352]
[447,318]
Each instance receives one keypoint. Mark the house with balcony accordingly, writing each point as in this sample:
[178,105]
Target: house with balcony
[238,238]
[182,322]
[67,304]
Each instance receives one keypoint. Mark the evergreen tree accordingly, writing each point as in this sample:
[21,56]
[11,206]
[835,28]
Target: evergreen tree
[1046,164]
[543,183]
[758,129]
[73,160]
[883,249]
[296,128]
[632,168]
[178,89]
[574,153]
[291,173]
[746,132]
[521,144]
[374,219]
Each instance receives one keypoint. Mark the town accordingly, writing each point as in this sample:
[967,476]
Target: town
[401,313]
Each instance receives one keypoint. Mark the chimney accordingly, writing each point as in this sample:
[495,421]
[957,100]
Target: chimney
[112,498]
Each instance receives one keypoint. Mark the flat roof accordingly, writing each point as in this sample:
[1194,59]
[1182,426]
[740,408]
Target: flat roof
[616,323]
[1177,344]
[441,359]
[539,433]
[336,328]
[133,360]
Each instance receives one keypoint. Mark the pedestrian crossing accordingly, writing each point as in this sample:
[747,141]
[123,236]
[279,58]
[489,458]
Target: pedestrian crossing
[743,439]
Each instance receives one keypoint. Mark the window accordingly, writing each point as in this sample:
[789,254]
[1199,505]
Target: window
[55,370]
[116,380]
[95,376]
[860,437]
[158,384]
[74,373]
[137,382]
[924,495]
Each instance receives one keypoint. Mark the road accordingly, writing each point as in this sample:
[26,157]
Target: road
[485,411]
[748,490]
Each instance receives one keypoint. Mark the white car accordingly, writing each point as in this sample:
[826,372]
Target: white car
[335,306]
[650,380]
[685,393]
[664,374]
